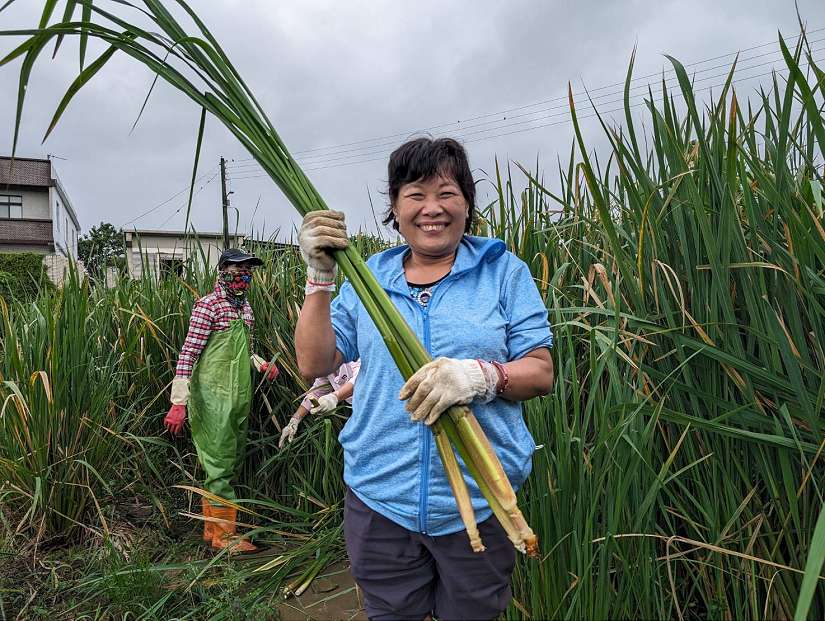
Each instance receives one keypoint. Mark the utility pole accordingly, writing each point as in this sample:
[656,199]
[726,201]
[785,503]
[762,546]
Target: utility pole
[225,205]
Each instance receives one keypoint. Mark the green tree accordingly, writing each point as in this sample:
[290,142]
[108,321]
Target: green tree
[100,248]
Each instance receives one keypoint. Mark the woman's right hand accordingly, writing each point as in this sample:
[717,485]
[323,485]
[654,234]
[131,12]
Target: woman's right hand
[321,232]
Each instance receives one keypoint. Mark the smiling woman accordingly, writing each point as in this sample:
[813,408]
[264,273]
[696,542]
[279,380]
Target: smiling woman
[475,306]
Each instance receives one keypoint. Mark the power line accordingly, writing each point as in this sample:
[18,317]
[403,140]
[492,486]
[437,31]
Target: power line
[657,88]
[186,202]
[333,162]
[168,200]
[562,122]
[655,91]
[509,122]
[384,156]
[499,124]
[562,98]
[544,125]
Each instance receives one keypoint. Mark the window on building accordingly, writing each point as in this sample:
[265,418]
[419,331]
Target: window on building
[57,215]
[11,206]
[169,267]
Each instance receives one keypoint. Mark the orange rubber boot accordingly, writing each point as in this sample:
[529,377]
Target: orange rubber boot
[224,532]
[208,527]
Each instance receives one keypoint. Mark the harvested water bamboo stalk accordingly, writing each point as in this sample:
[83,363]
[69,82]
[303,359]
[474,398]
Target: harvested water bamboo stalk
[459,487]
[503,516]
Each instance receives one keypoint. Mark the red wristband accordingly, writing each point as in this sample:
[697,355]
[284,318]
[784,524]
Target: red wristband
[505,378]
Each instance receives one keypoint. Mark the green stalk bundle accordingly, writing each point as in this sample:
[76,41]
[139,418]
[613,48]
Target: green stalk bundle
[222,92]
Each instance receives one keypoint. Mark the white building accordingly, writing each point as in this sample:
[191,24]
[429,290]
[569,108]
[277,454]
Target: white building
[168,251]
[36,214]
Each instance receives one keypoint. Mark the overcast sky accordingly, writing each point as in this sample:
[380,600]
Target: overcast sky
[333,73]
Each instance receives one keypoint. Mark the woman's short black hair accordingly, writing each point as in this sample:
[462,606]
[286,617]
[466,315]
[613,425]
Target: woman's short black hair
[422,159]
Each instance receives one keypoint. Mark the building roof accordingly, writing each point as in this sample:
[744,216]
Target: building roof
[25,171]
[161,233]
[241,238]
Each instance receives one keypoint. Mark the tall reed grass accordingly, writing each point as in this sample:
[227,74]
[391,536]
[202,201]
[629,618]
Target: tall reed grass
[682,468]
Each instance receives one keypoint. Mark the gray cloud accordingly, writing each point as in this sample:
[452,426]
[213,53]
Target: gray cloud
[330,73]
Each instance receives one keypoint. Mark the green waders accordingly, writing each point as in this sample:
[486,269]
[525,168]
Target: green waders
[219,406]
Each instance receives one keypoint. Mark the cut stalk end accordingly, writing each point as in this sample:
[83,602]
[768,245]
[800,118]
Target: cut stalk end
[459,487]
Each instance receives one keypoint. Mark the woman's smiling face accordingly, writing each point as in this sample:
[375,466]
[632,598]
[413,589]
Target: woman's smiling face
[432,215]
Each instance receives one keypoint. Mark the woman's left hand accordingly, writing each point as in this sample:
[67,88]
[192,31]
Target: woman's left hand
[442,383]
[326,403]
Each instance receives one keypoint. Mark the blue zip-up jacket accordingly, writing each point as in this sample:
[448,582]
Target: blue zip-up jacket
[488,307]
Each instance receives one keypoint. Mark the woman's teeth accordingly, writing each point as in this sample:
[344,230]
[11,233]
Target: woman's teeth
[432,227]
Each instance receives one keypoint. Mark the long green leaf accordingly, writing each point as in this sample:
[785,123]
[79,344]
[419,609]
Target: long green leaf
[68,12]
[814,564]
[201,126]
[48,9]
[85,18]
[25,71]
[808,100]
[77,84]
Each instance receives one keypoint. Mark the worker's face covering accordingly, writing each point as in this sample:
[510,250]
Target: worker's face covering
[236,282]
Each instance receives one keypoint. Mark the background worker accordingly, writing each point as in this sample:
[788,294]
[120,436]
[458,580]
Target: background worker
[213,378]
[327,392]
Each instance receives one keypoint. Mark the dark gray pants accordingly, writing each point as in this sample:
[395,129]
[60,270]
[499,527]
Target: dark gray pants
[406,575]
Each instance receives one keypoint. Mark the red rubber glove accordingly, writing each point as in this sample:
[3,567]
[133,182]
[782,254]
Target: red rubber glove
[175,418]
[270,371]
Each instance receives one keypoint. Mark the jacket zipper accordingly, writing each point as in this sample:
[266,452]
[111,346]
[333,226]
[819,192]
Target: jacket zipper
[426,436]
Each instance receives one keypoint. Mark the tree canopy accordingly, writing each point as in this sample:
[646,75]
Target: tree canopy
[101,247]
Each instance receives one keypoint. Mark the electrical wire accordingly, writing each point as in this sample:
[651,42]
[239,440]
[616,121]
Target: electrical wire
[186,202]
[168,200]
[497,124]
[354,160]
[509,123]
[544,125]
[501,124]
[333,149]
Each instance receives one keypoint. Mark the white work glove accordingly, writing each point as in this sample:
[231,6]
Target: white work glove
[326,403]
[321,232]
[289,431]
[257,362]
[270,371]
[180,391]
[445,382]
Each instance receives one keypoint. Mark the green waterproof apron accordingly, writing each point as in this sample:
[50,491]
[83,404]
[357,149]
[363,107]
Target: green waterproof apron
[219,406]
